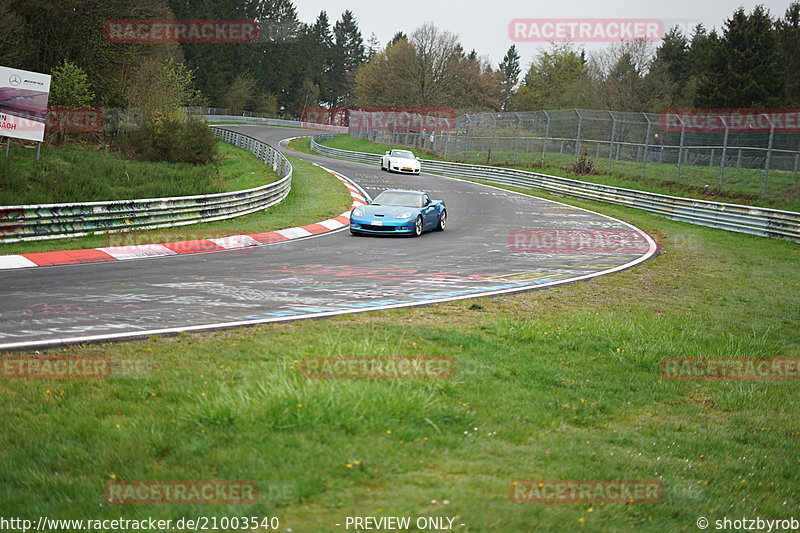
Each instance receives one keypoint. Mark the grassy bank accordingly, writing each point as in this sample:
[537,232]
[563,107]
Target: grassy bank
[742,186]
[83,173]
[315,196]
[561,383]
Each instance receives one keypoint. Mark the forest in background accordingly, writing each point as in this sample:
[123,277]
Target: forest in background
[752,61]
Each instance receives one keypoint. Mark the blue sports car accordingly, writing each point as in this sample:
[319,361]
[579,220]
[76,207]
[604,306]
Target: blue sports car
[399,212]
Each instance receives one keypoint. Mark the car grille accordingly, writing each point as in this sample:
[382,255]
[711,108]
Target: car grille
[377,228]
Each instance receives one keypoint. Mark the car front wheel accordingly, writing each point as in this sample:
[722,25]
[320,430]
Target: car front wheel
[417,227]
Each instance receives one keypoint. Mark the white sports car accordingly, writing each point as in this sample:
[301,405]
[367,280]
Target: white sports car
[400,161]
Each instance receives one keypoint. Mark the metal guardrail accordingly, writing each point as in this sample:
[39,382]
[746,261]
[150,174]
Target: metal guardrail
[266,121]
[58,221]
[731,217]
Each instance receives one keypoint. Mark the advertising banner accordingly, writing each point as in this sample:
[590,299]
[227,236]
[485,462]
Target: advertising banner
[23,103]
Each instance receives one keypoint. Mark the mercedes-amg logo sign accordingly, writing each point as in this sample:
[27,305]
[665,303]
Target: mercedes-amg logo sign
[14,80]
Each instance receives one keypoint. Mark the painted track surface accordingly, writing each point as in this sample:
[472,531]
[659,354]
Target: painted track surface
[331,274]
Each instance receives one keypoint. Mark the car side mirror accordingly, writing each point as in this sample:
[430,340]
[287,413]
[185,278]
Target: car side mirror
[387,153]
[418,159]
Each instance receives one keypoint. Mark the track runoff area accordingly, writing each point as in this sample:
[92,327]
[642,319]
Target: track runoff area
[496,242]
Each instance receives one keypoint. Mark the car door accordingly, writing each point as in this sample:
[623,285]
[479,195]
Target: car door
[429,217]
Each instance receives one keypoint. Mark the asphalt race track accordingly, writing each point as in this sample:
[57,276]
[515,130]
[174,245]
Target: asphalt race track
[326,275]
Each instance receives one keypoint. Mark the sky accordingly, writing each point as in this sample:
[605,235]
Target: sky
[484,26]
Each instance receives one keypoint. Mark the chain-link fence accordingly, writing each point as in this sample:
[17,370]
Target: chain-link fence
[639,146]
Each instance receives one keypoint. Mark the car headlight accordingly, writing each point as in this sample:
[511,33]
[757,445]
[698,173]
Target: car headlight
[358,212]
[404,215]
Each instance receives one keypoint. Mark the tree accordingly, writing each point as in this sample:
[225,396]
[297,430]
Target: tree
[429,69]
[551,78]
[321,56]
[624,81]
[347,55]
[397,37]
[477,86]
[373,45]
[746,69]
[436,55]
[157,90]
[386,80]
[789,35]
[69,87]
[509,70]
[266,103]
[240,93]
[672,61]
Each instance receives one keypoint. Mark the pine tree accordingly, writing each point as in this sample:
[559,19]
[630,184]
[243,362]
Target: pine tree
[322,55]
[510,70]
[789,36]
[745,70]
[398,36]
[347,55]
[373,46]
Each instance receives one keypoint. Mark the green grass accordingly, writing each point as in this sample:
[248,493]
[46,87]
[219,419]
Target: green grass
[302,144]
[82,173]
[566,380]
[740,186]
[315,196]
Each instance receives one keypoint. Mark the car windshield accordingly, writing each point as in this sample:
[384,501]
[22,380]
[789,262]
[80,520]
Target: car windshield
[403,154]
[405,199]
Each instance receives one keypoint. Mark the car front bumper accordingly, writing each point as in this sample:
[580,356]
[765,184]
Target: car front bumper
[381,227]
[403,169]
